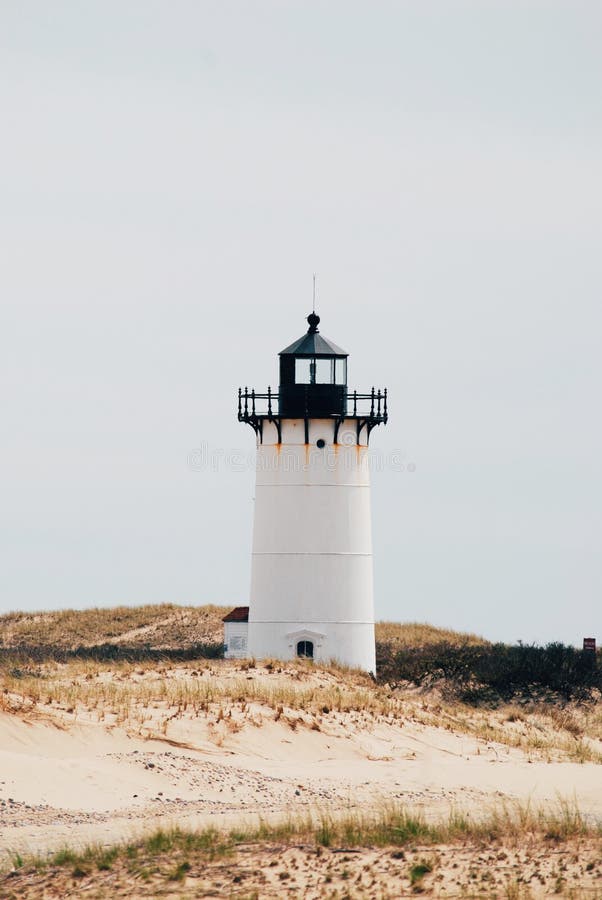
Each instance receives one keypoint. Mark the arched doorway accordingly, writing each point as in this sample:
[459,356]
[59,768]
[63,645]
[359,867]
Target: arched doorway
[305,649]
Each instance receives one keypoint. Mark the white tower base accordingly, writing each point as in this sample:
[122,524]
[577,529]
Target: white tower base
[311,583]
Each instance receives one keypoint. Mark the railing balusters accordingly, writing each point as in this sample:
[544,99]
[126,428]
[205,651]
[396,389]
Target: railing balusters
[254,406]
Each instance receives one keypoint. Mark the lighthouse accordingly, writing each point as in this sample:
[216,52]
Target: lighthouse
[311,572]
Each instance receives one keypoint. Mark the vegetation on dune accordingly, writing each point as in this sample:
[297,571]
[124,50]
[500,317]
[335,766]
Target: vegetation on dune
[156,627]
[153,669]
[420,634]
[482,672]
[26,654]
[172,854]
[156,700]
[165,631]
[140,678]
[169,625]
[392,826]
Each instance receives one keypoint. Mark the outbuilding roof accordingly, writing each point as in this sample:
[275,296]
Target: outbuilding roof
[238,614]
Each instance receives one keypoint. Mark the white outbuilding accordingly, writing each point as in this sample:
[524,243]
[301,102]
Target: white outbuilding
[311,579]
[236,630]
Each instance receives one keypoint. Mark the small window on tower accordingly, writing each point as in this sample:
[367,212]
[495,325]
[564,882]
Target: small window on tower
[305,649]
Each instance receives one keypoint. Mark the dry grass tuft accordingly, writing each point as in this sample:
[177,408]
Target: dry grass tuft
[149,697]
[168,625]
[152,699]
[419,634]
[164,625]
[415,849]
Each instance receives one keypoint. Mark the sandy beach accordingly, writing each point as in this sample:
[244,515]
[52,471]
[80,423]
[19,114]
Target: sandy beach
[73,775]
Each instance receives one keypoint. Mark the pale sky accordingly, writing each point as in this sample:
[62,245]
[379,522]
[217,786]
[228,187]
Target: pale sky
[171,175]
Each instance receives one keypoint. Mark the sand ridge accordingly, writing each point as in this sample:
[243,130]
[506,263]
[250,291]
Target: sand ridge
[73,771]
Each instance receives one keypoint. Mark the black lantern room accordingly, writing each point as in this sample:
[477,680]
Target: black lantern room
[313,385]
[313,376]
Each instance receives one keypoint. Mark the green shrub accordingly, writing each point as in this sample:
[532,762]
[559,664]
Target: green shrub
[106,653]
[504,669]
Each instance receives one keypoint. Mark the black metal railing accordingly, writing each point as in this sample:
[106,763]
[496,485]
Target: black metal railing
[253,405]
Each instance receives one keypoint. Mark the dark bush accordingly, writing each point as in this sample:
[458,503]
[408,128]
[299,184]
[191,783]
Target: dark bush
[111,653]
[506,669]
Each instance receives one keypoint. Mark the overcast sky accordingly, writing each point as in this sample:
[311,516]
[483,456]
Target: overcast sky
[171,175]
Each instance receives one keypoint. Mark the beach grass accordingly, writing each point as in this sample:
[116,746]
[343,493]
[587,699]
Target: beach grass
[416,845]
[149,699]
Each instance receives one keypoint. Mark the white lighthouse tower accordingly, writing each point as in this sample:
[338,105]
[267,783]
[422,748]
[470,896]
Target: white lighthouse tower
[311,581]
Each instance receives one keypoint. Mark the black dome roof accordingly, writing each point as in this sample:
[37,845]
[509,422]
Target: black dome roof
[312,343]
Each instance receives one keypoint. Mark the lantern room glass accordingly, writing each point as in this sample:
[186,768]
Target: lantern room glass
[340,371]
[321,370]
[303,371]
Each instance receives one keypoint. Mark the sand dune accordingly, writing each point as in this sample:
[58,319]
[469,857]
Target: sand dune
[78,774]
